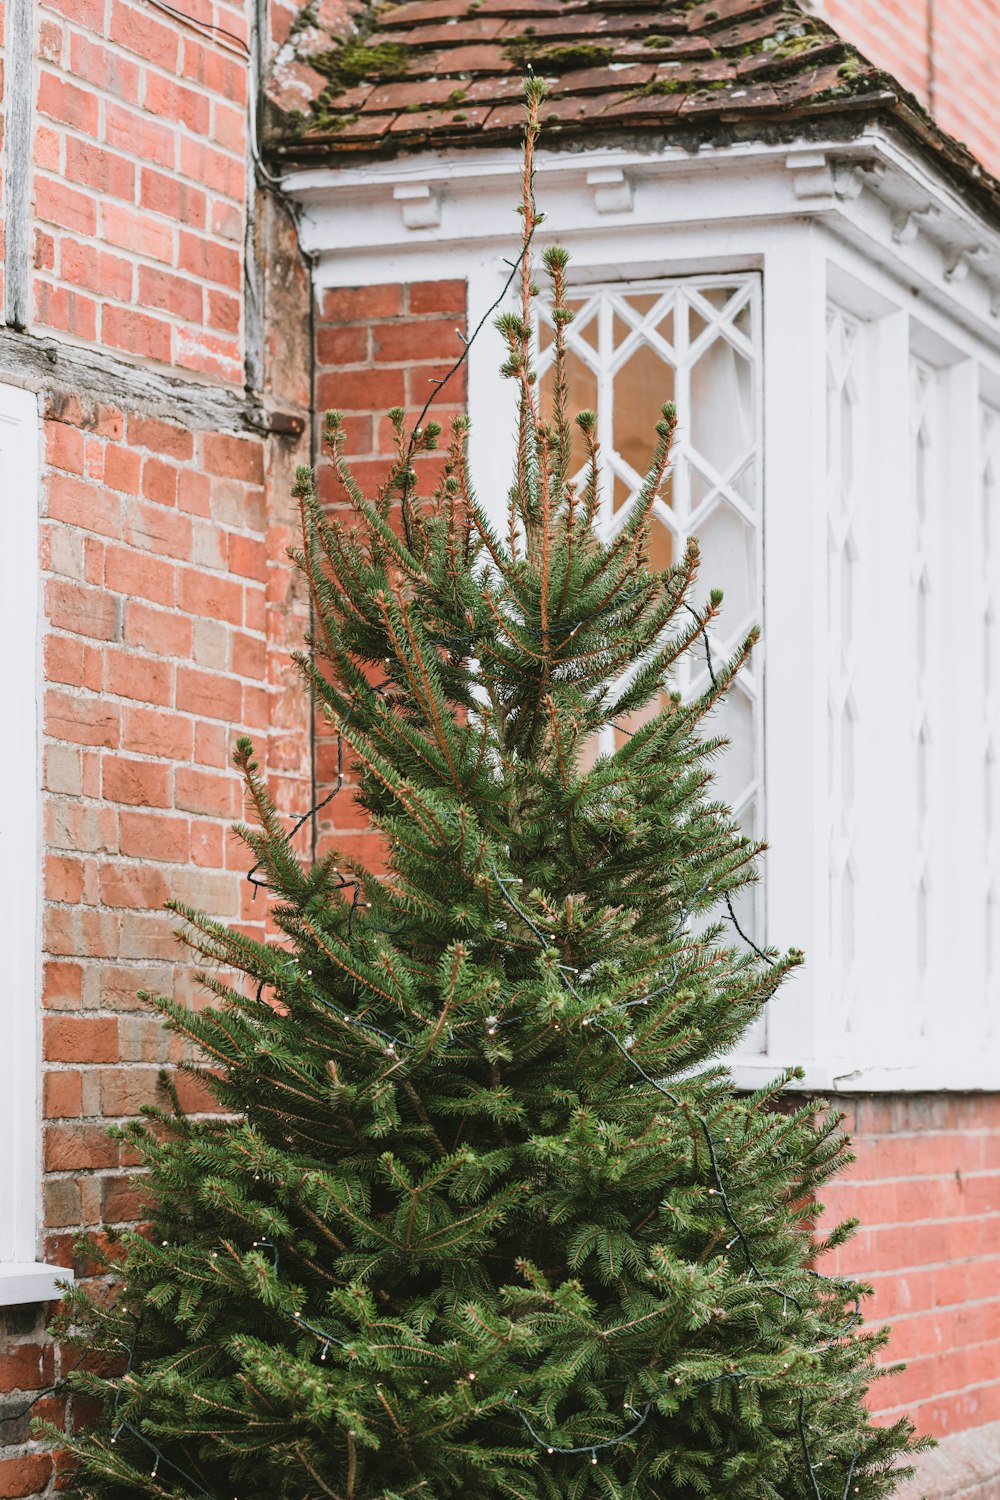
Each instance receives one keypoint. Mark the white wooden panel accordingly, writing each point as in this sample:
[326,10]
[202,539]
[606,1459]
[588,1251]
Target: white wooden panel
[19,835]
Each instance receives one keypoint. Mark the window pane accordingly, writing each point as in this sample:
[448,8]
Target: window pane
[693,341]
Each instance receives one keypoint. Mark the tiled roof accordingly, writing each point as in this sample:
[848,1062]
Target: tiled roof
[444,73]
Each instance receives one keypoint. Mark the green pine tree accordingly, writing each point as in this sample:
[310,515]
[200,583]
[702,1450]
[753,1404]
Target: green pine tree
[483,1214]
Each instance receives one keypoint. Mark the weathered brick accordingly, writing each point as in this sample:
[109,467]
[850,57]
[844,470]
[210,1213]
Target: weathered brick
[80,1039]
[136,783]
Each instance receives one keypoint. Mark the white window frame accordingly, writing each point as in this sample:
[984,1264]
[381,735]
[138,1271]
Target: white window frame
[22,1278]
[866,223]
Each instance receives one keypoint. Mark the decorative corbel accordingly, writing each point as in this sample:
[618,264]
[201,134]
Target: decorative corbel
[907,224]
[812,177]
[420,205]
[612,190]
[963,263]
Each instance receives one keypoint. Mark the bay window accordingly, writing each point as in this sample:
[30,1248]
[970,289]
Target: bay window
[826,317]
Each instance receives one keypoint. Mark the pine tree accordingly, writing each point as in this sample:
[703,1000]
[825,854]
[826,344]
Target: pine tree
[483,1213]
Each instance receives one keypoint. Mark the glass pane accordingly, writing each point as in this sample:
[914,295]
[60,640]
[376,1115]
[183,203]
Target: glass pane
[642,387]
[728,562]
[718,296]
[620,330]
[722,405]
[581,384]
[662,552]
[733,767]
[585,324]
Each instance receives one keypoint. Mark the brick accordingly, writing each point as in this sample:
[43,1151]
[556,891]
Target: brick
[124,1091]
[136,333]
[209,355]
[209,694]
[61,100]
[27,1367]
[342,346]
[214,70]
[414,342]
[132,675]
[164,438]
[138,32]
[60,204]
[95,270]
[361,390]
[122,469]
[216,796]
[45,244]
[203,163]
[247,557]
[162,632]
[209,260]
[68,311]
[152,731]
[165,193]
[123,1200]
[133,886]
[104,66]
[171,101]
[352,304]
[438,297]
[62,1094]
[210,595]
[80,1039]
[223,311]
[64,447]
[132,230]
[159,530]
[137,573]
[154,836]
[64,879]
[69,1148]
[133,131]
[140,783]
[84,611]
[104,171]
[26,1475]
[83,721]
[159,481]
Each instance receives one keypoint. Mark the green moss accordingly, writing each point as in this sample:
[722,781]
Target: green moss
[555,57]
[658,41]
[354,62]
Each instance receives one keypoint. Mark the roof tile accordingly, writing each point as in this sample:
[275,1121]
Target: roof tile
[631,64]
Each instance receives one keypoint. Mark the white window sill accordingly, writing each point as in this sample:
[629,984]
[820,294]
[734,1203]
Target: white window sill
[26,1282]
[845,1077]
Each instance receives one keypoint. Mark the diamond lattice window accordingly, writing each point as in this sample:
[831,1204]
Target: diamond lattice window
[696,342]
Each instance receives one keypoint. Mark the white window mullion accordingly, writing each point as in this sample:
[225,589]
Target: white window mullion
[988,601]
[794,560]
[886,980]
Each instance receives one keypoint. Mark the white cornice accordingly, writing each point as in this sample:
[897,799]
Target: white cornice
[872,191]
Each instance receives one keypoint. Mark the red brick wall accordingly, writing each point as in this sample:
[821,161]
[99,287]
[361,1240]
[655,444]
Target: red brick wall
[169,608]
[139,186]
[956,77]
[379,347]
[926,1187]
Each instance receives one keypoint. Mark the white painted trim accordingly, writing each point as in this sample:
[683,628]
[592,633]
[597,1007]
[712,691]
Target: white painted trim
[20,853]
[31,1283]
